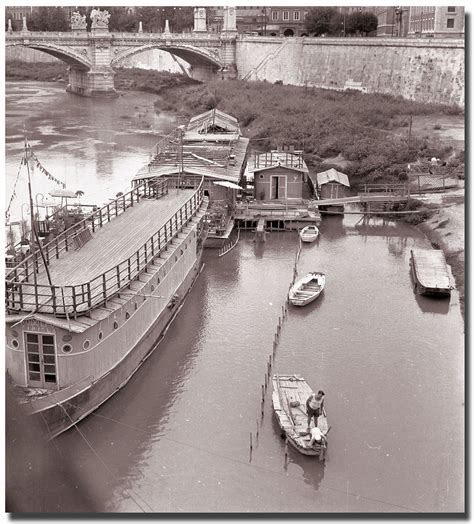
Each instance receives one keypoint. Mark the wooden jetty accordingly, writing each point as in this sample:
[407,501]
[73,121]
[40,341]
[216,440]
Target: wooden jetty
[430,273]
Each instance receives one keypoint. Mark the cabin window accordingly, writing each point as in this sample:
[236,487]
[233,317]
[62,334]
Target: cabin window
[152,288]
[181,252]
[176,258]
[67,348]
[101,335]
[15,343]
[261,177]
[86,344]
[136,306]
[116,323]
[127,315]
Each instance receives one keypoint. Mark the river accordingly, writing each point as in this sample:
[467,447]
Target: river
[176,438]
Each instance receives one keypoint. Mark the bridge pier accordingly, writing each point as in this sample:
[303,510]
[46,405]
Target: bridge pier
[96,82]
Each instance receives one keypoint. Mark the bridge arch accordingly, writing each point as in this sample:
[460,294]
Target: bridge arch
[202,61]
[74,59]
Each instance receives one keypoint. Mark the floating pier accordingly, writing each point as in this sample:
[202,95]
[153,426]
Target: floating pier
[430,273]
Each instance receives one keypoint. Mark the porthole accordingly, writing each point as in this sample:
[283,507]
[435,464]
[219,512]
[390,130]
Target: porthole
[15,343]
[181,252]
[115,325]
[67,348]
[261,176]
[67,338]
[14,333]
[86,344]
[176,258]
[152,288]
[136,306]
[127,315]
[101,335]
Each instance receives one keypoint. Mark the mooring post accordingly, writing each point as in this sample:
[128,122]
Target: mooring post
[263,393]
[251,440]
[257,428]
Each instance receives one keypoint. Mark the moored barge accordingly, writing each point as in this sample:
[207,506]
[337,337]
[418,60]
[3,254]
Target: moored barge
[430,273]
[83,314]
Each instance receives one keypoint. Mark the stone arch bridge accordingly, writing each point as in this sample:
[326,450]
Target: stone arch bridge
[92,56]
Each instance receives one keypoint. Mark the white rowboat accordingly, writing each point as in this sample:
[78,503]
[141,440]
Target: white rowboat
[309,233]
[307,289]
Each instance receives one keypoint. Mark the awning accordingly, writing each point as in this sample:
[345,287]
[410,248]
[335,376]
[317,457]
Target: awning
[227,184]
[64,193]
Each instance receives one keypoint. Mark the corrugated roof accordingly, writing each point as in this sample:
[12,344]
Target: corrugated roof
[219,162]
[331,175]
[273,159]
[206,124]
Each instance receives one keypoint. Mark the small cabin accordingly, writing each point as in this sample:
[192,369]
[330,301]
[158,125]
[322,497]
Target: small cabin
[331,184]
[279,175]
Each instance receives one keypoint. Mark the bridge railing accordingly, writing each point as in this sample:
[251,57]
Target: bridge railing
[82,298]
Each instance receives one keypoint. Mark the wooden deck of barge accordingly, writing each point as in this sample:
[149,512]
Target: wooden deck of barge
[430,272]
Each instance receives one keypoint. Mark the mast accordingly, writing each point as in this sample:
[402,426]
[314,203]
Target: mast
[34,234]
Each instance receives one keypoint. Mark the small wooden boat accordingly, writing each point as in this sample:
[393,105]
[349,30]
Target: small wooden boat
[309,233]
[430,273]
[289,396]
[307,289]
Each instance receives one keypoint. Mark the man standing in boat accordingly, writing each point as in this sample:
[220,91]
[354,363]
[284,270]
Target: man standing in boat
[314,407]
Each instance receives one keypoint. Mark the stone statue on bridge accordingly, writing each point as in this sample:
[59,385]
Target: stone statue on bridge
[78,21]
[100,19]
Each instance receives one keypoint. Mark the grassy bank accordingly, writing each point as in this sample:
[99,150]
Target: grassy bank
[369,132]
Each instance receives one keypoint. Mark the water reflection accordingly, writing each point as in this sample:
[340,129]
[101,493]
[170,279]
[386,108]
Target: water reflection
[432,304]
[332,228]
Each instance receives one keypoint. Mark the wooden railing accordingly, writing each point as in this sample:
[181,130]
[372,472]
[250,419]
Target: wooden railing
[22,295]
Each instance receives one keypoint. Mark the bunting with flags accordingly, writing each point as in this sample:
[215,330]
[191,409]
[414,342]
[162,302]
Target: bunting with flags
[45,172]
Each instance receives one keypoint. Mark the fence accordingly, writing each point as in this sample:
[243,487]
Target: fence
[82,298]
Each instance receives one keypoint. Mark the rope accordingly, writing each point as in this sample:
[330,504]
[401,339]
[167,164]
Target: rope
[103,463]
[7,212]
[261,468]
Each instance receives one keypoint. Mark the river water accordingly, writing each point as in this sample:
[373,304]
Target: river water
[177,437]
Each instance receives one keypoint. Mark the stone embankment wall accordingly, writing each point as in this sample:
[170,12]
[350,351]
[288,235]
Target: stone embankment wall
[425,70]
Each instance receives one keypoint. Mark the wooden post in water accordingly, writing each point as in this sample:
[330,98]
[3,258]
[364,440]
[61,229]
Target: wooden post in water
[251,440]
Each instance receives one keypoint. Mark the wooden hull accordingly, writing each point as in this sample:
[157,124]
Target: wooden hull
[303,293]
[289,396]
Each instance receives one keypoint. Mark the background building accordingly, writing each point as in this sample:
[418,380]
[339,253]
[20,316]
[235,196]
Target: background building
[437,22]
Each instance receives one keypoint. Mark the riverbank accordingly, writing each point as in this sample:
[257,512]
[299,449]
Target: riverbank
[445,229]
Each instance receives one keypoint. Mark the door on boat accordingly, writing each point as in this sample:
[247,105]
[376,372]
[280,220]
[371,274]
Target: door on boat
[40,360]
[278,187]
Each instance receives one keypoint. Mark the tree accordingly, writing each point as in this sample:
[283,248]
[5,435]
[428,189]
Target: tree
[319,20]
[122,20]
[49,19]
[361,22]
